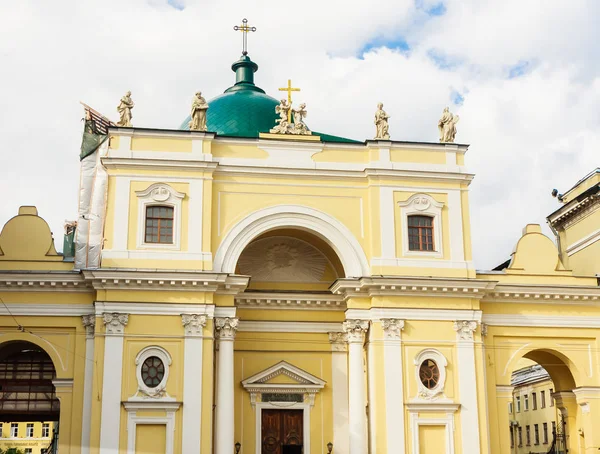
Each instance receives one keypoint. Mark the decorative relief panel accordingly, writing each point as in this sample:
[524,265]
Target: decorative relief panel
[392,328]
[89,323]
[465,329]
[115,322]
[282,259]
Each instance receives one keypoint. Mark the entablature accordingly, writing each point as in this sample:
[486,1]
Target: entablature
[543,294]
[44,282]
[289,300]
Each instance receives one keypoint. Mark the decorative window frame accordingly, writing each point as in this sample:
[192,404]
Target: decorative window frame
[159,392]
[437,392]
[159,194]
[168,421]
[417,418]
[422,205]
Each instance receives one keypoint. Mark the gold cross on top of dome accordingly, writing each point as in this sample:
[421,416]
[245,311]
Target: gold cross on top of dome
[289,90]
[244,28]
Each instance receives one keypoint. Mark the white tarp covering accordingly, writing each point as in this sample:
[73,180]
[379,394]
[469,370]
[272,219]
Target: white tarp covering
[93,185]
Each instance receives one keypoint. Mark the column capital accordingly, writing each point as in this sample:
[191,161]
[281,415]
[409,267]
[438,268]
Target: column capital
[338,341]
[193,324]
[392,328]
[115,322]
[465,329]
[484,329]
[356,330]
[226,327]
[89,323]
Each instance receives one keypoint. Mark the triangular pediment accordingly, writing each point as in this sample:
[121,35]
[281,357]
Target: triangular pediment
[283,376]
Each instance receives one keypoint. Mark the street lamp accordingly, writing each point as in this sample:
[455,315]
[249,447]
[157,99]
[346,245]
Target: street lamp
[329,447]
[238,446]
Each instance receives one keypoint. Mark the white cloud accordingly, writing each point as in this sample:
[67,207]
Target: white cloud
[528,134]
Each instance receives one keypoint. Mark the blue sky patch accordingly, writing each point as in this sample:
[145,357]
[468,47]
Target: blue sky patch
[442,60]
[439,9]
[520,69]
[398,43]
[177,4]
[457,98]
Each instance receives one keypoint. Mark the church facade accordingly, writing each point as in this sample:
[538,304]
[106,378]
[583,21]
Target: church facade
[238,290]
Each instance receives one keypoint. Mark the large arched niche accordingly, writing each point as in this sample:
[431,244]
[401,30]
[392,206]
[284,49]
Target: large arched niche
[325,233]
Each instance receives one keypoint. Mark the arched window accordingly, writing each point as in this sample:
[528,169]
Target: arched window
[159,224]
[420,233]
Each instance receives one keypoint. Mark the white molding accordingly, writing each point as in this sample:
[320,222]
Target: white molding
[447,422]
[195,218]
[155,308]
[455,218]
[394,390]
[305,407]
[46,310]
[414,314]
[387,223]
[544,294]
[143,355]
[422,204]
[583,243]
[121,211]
[191,437]
[133,420]
[294,301]
[289,327]
[225,312]
[467,389]
[88,378]
[48,281]
[422,263]
[157,254]
[306,383]
[110,419]
[159,194]
[339,391]
[335,233]
[547,321]
[441,362]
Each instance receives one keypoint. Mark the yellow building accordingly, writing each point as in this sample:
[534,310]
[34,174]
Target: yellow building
[533,413]
[237,290]
[30,437]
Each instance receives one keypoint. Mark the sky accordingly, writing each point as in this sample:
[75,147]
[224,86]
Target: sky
[521,74]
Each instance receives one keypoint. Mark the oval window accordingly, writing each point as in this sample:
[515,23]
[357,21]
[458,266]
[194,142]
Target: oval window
[429,373]
[153,371]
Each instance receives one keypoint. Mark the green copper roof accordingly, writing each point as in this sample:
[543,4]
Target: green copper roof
[244,110]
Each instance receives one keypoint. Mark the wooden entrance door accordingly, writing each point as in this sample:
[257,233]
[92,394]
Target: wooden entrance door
[282,431]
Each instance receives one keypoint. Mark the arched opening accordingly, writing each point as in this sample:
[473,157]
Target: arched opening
[29,407]
[543,412]
[289,260]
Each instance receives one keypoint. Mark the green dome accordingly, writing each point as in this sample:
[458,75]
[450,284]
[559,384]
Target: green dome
[244,110]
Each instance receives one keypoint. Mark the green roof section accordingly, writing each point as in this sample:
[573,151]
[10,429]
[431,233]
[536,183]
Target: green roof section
[244,109]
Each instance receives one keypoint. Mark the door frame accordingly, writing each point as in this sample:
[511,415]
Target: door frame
[305,407]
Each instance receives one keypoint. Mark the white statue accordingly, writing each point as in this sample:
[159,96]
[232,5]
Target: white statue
[283,125]
[381,123]
[199,108]
[299,126]
[124,109]
[447,126]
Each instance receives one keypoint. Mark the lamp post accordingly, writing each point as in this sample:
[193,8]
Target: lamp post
[329,447]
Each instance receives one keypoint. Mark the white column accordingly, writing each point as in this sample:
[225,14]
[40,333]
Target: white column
[394,384]
[225,329]
[89,323]
[467,385]
[192,381]
[339,390]
[110,421]
[356,330]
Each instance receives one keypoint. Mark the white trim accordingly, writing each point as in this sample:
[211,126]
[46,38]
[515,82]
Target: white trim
[414,314]
[549,321]
[110,419]
[387,223]
[289,327]
[422,263]
[286,300]
[157,254]
[47,310]
[191,437]
[121,211]
[305,407]
[421,204]
[142,356]
[154,308]
[467,389]
[441,362]
[88,378]
[159,194]
[335,233]
[583,243]
[339,391]
[455,218]
[225,312]
[195,218]
[372,406]
[133,420]
[306,382]
[394,393]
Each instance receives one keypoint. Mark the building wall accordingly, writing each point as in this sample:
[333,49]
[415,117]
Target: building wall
[22,441]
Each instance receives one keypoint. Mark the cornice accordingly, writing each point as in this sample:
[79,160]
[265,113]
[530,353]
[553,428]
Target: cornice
[43,282]
[157,164]
[543,294]
[281,300]
[220,283]
[411,286]
[574,211]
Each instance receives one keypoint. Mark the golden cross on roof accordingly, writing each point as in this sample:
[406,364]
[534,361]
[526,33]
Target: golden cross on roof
[289,90]
[244,28]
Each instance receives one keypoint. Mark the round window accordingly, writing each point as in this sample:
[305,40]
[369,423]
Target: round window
[429,373]
[153,371]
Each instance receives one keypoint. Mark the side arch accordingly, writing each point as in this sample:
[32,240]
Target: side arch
[60,363]
[326,227]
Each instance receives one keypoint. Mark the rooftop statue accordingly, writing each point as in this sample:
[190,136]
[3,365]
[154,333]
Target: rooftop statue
[124,109]
[283,125]
[199,108]
[299,126]
[381,123]
[447,126]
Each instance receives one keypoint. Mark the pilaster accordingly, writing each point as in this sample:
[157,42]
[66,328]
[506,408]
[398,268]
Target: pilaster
[225,330]
[588,399]
[89,323]
[339,385]
[394,384]
[64,392]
